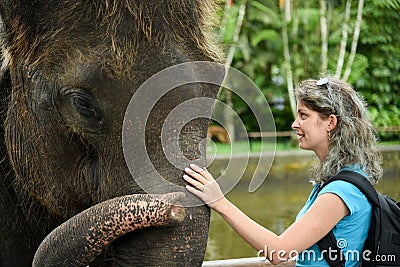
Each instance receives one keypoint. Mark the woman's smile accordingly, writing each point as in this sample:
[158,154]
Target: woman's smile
[300,136]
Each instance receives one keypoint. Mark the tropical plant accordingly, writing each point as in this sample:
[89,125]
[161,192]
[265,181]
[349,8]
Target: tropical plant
[283,42]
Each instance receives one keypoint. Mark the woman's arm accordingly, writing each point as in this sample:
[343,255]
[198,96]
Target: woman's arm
[323,215]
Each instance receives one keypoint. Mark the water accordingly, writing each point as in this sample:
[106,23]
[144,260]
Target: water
[274,205]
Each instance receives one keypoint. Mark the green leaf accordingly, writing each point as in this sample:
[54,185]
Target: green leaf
[393,4]
[270,35]
[272,14]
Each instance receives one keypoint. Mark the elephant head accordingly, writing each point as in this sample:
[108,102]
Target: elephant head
[69,71]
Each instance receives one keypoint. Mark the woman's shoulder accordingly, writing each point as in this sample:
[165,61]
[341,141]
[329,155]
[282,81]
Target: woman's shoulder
[354,199]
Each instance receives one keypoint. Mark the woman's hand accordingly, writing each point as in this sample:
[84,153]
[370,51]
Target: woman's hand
[204,186]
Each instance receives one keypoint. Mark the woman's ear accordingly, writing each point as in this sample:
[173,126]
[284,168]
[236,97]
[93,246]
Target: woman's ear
[332,122]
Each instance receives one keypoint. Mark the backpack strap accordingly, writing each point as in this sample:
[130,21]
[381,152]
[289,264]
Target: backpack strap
[359,181]
[328,243]
[331,251]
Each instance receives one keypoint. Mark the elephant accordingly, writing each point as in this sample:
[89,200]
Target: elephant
[69,70]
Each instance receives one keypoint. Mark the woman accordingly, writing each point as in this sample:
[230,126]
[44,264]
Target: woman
[332,122]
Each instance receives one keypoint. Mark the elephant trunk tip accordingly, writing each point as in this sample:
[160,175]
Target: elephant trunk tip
[178,213]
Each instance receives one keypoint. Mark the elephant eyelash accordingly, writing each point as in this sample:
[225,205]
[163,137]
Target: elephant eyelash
[84,103]
[86,107]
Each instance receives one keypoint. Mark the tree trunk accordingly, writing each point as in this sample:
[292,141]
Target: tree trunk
[228,118]
[305,66]
[295,38]
[354,43]
[343,41]
[324,36]
[288,66]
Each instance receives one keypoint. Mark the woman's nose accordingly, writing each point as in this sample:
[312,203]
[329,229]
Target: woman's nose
[295,124]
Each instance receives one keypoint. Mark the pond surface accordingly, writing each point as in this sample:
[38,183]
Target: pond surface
[274,205]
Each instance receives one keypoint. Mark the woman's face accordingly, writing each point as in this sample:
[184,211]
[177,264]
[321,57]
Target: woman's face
[312,130]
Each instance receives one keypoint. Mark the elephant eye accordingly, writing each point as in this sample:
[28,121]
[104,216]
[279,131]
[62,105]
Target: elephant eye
[85,104]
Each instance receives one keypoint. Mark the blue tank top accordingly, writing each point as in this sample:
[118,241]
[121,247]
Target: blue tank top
[351,231]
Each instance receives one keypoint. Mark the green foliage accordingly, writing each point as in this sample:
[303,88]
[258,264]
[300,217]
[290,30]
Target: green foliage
[257,51]
[231,19]
[266,35]
[359,67]
[390,4]
[375,70]
[380,84]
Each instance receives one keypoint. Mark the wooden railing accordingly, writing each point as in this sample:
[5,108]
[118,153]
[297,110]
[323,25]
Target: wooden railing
[291,133]
[270,134]
[388,129]
[219,133]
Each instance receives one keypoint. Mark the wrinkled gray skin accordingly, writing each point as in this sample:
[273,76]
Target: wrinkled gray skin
[69,71]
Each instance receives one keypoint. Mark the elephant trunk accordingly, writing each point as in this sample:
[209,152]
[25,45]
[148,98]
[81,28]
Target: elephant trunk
[79,240]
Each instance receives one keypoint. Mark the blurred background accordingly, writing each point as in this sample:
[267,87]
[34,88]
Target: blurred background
[277,44]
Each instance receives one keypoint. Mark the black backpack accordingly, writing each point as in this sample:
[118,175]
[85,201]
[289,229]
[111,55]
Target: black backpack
[382,246]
